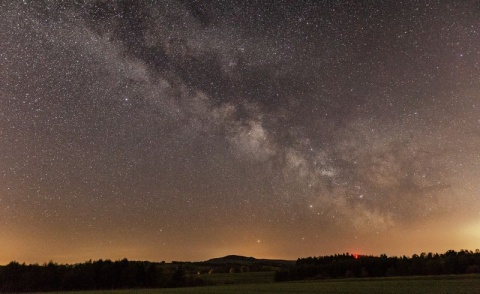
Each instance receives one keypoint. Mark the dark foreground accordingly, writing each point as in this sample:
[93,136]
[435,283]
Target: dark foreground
[233,269]
[425,284]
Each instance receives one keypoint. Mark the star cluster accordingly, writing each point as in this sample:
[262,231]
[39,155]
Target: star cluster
[184,130]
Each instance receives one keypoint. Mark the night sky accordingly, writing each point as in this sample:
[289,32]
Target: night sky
[187,130]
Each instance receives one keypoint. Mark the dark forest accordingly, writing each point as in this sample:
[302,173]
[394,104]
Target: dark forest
[358,266]
[125,274]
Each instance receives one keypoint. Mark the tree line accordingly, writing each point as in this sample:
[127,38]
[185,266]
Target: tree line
[125,274]
[350,266]
[101,274]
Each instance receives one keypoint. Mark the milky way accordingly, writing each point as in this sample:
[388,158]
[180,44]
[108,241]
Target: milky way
[185,130]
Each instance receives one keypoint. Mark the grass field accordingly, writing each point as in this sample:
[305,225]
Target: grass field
[432,284]
[239,278]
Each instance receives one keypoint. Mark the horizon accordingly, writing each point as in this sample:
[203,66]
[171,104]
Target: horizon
[182,130]
[359,254]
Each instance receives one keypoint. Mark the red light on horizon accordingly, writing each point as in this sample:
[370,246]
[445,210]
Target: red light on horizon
[355,256]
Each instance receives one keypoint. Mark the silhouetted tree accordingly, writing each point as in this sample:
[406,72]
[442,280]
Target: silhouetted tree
[179,277]
[346,265]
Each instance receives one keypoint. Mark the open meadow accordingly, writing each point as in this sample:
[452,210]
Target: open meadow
[425,284]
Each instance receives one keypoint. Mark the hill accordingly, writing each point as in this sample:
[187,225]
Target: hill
[232,259]
[254,263]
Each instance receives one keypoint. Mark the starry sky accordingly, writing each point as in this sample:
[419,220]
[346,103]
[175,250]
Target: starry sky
[187,130]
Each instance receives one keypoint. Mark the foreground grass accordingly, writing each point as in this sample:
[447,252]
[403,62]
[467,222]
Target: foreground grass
[432,284]
[239,278]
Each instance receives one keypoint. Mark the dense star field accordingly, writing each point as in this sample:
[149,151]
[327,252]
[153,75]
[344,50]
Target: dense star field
[185,130]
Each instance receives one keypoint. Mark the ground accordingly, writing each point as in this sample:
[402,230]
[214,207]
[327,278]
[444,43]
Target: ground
[260,283]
